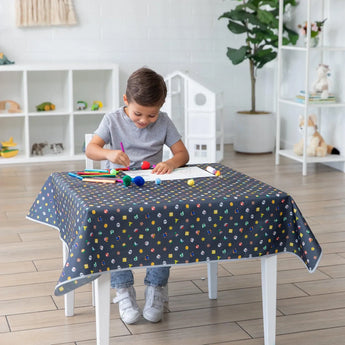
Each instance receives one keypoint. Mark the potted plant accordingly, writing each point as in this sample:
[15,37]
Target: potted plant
[257,21]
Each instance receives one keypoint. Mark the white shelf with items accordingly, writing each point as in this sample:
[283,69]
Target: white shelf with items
[304,56]
[62,85]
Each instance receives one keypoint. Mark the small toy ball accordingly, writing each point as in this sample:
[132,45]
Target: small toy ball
[139,181]
[113,172]
[145,165]
[158,180]
[217,173]
[190,182]
[127,180]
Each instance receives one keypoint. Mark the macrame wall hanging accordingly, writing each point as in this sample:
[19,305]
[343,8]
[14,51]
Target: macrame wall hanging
[45,12]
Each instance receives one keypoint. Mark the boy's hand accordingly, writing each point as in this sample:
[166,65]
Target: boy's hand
[162,168]
[118,157]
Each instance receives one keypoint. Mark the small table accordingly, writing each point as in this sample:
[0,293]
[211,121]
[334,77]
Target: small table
[109,226]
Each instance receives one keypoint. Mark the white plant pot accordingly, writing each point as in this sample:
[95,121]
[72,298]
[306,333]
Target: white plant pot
[254,133]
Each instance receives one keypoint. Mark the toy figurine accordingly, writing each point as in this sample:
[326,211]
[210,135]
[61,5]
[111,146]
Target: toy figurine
[5,148]
[45,106]
[96,105]
[316,144]
[14,107]
[81,105]
[321,84]
[4,60]
[37,149]
[57,147]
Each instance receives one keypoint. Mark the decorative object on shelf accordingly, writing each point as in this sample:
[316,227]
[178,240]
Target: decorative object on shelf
[4,60]
[96,105]
[45,106]
[37,148]
[57,148]
[45,12]
[10,106]
[321,83]
[260,26]
[6,149]
[316,29]
[316,144]
[315,98]
[81,105]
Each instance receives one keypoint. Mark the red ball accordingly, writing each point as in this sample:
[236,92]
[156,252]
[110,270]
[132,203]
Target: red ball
[145,165]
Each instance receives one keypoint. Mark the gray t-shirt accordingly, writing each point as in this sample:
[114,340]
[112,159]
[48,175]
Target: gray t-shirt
[140,144]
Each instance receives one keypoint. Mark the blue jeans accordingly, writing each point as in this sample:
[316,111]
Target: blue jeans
[155,276]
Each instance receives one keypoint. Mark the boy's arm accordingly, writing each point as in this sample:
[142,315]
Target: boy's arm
[95,151]
[180,158]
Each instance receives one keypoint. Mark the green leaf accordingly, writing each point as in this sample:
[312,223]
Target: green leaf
[266,17]
[292,35]
[264,56]
[237,55]
[236,28]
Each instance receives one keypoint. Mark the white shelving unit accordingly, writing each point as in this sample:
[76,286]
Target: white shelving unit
[64,86]
[305,56]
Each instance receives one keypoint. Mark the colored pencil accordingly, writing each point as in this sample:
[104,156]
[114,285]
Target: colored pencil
[75,175]
[101,180]
[94,173]
[97,170]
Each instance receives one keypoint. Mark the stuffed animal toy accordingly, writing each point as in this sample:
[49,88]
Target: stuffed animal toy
[316,145]
[321,84]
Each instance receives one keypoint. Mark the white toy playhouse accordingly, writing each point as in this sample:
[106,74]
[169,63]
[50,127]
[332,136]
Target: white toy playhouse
[197,113]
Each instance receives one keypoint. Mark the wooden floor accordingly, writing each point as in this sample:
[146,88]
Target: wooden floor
[310,307]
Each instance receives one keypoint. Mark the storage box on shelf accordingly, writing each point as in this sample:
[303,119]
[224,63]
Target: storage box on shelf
[291,60]
[60,131]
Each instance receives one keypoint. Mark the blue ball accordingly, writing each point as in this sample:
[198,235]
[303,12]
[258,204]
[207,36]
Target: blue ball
[138,180]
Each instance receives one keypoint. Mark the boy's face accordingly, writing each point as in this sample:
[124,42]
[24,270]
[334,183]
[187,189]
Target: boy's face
[141,115]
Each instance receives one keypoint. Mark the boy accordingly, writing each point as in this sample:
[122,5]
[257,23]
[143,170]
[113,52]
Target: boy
[143,130]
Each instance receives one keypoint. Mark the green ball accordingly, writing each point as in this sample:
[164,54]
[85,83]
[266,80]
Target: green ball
[127,180]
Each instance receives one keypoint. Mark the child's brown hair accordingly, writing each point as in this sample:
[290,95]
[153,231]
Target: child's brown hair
[146,87]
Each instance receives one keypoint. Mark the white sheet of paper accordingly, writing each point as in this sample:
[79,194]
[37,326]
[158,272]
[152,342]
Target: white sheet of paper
[177,174]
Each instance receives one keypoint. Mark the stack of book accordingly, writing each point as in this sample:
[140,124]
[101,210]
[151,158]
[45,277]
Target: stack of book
[315,98]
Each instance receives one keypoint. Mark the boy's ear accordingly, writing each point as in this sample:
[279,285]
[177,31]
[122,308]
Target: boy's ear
[125,99]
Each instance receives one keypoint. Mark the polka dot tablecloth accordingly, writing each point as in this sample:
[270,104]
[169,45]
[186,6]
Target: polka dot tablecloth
[110,226]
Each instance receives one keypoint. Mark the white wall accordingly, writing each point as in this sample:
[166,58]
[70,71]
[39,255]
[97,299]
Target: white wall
[169,35]
[166,35]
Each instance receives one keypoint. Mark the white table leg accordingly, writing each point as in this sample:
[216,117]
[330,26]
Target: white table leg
[212,274]
[269,297]
[68,297]
[93,297]
[102,299]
